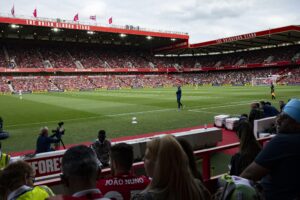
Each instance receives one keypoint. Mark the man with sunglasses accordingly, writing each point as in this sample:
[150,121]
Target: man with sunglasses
[278,164]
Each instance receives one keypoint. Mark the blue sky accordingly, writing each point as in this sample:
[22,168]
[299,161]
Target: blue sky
[203,19]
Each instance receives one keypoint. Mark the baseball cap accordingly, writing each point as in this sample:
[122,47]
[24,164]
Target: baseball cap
[292,109]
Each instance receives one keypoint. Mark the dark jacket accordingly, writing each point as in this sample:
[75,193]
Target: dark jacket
[178,93]
[270,111]
[43,143]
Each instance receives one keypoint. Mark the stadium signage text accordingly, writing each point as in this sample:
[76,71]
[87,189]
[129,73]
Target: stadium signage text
[235,38]
[57,25]
[46,166]
[117,182]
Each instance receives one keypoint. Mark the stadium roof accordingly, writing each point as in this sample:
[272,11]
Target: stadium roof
[63,30]
[268,38]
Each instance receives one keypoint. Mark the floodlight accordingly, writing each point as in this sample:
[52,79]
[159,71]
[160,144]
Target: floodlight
[55,29]
[14,26]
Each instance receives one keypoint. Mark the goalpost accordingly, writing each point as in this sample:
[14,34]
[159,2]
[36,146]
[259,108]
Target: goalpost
[263,81]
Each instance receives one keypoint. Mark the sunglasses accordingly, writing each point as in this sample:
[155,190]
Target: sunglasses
[31,177]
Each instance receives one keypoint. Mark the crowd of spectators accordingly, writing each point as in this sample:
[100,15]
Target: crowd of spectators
[30,83]
[66,56]
[88,82]
[59,57]
[25,56]
[3,85]
[72,82]
[291,76]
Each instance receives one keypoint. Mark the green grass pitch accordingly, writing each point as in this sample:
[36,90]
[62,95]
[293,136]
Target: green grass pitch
[84,113]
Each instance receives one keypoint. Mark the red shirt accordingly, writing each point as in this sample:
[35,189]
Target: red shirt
[91,194]
[86,197]
[123,186]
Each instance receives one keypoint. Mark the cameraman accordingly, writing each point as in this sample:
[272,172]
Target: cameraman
[1,124]
[58,134]
[3,134]
[43,142]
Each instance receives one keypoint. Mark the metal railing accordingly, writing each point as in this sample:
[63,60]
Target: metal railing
[204,154]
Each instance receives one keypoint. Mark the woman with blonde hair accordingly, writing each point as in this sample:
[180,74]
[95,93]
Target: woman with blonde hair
[167,164]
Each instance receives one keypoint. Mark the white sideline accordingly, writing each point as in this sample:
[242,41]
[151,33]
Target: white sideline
[224,106]
[202,111]
[141,112]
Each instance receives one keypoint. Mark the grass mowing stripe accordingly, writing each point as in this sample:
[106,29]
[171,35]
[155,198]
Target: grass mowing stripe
[132,113]
[87,112]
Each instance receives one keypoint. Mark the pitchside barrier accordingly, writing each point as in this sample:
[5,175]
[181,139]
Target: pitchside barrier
[47,166]
[205,154]
[261,125]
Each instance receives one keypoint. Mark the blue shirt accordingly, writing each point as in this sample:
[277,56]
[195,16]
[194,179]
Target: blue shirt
[270,111]
[178,93]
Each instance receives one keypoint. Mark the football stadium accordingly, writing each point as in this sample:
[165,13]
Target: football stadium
[65,80]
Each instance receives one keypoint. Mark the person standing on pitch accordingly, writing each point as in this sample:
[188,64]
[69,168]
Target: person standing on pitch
[272,91]
[178,95]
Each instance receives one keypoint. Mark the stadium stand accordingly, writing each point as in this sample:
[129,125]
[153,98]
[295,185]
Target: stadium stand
[24,56]
[3,85]
[66,56]
[89,82]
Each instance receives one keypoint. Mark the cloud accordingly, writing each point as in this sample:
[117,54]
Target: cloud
[203,19]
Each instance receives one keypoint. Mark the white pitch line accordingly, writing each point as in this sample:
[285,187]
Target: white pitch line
[225,106]
[232,103]
[130,113]
[141,112]
[202,111]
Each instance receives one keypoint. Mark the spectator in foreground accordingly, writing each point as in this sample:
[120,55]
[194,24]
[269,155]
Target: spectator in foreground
[255,113]
[167,164]
[43,143]
[278,163]
[281,105]
[4,158]
[269,110]
[121,160]
[248,150]
[80,172]
[16,183]
[102,147]
[188,149]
